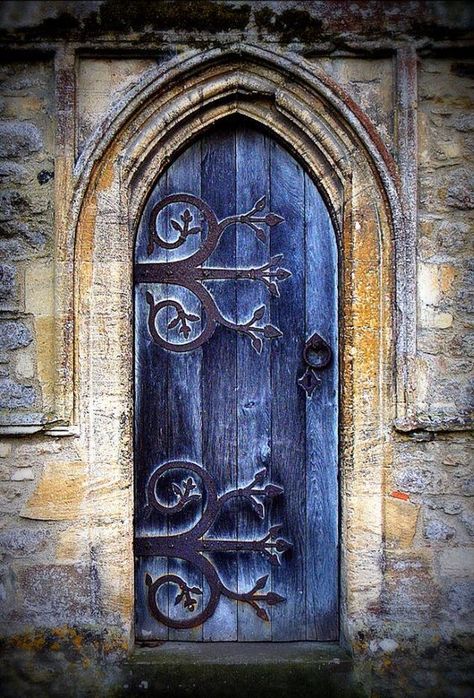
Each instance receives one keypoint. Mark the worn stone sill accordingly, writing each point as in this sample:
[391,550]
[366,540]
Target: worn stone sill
[321,653]
[242,669]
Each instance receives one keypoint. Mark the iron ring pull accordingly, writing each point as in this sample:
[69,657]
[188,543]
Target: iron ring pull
[317,355]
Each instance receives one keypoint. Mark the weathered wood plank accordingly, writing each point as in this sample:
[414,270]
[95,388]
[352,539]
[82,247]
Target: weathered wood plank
[321,424]
[288,400]
[151,428]
[253,372]
[219,419]
[184,385]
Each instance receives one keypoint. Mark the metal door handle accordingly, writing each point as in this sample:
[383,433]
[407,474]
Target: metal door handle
[317,355]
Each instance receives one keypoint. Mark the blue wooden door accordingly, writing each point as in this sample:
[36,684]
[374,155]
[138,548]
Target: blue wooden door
[236,398]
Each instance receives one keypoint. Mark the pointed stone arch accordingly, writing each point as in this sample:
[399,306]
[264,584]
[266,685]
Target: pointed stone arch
[341,150]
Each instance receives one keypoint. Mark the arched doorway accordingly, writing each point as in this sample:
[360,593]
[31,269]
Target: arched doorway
[114,176]
[236,397]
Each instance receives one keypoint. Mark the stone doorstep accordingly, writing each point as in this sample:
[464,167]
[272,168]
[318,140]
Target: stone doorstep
[232,669]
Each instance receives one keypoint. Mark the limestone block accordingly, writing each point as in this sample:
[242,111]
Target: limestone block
[25,367]
[410,591]
[45,333]
[14,334]
[19,138]
[110,80]
[14,394]
[7,282]
[22,542]
[23,474]
[59,592]
[401,519]
[434,282]
[73,544]
[364,522]
[59,493]
[5,449]
[39,289]
[456,562]
[435,529]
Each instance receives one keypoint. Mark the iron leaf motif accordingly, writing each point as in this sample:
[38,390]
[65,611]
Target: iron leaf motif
[192,545]
[190,274]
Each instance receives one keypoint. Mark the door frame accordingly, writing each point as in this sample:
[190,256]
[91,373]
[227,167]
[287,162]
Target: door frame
[303,108]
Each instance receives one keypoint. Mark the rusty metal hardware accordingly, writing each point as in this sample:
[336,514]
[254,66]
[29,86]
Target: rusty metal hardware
[190,274]
[317,355]
[191,545]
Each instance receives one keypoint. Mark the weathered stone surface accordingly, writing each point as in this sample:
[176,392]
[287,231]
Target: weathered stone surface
[460,195]
[437,530]
[13,173]
[22,542]
[59,493]
[456,562]
[461,600]
[19,138]
[13,395]
[12,203]
[401,518]
[409,587]
[7,281]
[419,480]
[55,591]
[23,474]
[24,366]
[5,449]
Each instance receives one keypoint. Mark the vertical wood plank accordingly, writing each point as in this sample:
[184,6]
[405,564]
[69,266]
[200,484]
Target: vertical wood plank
[288,400]
[151,430]
[184,389]
[321,424]
[253,373]
[219,374]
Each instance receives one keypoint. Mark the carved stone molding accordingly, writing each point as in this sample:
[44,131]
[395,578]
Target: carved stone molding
[335,143]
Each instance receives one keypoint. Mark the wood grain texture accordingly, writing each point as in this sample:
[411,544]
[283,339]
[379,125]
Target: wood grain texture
[321,424]
[151,434]
[253,372]
[288,400]
[219,376]
[184,389]
[234,411]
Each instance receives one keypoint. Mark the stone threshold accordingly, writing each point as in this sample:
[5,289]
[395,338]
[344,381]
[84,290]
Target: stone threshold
[235,669]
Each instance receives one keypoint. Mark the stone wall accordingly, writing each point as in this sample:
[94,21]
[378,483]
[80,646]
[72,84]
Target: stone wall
[52,591]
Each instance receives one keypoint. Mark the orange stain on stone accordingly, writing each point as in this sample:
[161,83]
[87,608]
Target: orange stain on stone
[400,495]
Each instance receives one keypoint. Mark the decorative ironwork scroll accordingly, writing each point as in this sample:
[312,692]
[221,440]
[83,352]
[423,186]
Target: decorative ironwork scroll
[190,274]
[191,545]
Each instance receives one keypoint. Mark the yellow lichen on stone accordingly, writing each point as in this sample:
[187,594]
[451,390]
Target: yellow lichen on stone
[59,493]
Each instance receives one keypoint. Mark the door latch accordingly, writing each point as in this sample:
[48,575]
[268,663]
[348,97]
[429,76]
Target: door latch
[317,355]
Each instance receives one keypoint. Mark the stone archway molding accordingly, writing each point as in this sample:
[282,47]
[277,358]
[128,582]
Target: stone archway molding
[292,84]
[112,178]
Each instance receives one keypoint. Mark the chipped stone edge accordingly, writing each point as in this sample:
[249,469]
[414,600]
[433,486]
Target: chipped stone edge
[46,429]
[434,424]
